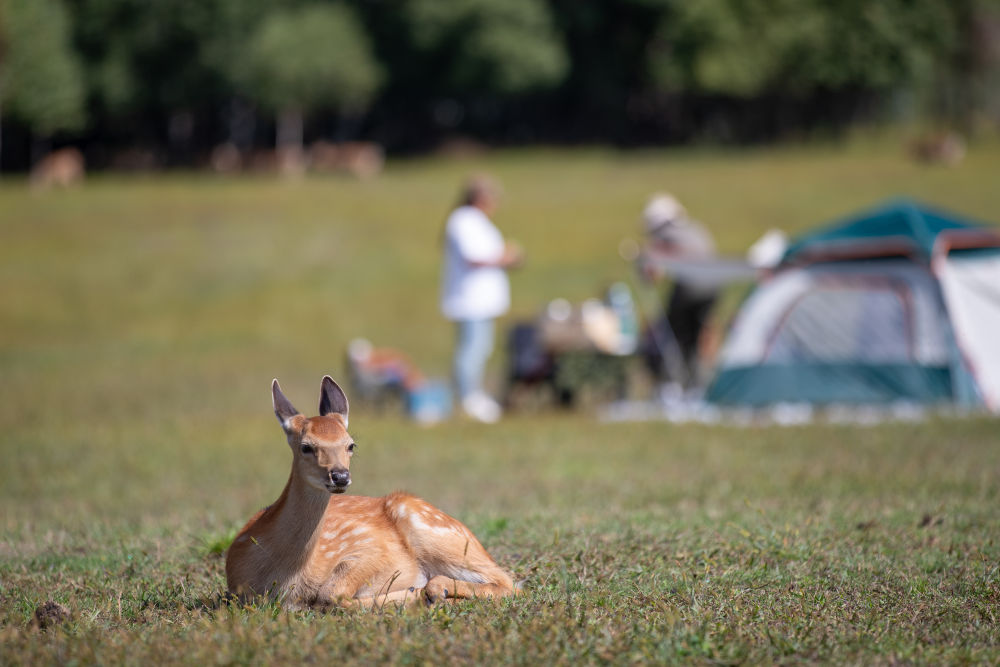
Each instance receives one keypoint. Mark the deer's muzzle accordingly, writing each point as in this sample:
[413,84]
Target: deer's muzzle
[339,480]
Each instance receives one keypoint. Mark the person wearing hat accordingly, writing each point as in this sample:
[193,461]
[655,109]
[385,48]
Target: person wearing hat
[475,290]
[670,232]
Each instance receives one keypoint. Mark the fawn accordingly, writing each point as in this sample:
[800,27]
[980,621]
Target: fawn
[316,548]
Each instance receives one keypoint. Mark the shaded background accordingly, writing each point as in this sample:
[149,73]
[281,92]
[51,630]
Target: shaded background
[151,84]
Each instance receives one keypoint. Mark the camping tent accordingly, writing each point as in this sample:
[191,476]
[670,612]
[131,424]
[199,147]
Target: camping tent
[897,304]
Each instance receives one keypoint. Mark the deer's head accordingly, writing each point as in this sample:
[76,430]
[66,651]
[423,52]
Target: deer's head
[321,446]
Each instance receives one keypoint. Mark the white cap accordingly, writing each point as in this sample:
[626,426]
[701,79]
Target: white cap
[661,210]
[359,349]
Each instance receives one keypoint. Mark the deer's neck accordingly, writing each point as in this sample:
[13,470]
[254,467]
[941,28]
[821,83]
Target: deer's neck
[295,520]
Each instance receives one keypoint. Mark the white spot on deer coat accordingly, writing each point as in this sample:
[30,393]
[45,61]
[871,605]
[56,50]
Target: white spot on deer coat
[440,529]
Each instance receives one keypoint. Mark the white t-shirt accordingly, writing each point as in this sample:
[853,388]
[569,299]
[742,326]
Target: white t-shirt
[473,292]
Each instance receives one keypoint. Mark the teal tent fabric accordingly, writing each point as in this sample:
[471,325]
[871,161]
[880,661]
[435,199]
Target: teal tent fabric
[900,223]
[900,230]
[831,383]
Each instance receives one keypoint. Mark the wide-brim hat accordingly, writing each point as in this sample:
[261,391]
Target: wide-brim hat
[661,210]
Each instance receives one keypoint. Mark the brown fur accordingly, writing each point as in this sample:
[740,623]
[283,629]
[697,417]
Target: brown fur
[361,159]
[62,169]
[316,548]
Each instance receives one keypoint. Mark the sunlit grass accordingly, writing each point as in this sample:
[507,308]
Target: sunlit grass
[141,320]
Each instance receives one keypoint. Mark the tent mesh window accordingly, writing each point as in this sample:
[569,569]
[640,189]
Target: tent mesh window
[846,323]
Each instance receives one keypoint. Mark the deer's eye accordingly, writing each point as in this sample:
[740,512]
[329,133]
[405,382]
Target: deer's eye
[307,449]
[351,447]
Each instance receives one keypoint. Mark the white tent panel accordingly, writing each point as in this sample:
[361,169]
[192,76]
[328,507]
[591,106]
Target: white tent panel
[971,286]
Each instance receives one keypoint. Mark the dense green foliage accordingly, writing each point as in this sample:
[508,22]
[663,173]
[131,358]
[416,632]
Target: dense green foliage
[170,73]
[306,59]
[486,46]
[311,57]
[40,79]
[141,321]
[796,47]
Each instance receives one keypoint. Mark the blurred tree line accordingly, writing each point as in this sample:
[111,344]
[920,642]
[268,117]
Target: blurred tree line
[177,77]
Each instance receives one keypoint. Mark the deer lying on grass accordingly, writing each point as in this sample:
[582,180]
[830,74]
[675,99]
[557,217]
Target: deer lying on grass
[316,548]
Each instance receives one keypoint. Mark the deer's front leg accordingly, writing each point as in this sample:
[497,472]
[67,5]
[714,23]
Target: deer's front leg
[442,588]
[406,597]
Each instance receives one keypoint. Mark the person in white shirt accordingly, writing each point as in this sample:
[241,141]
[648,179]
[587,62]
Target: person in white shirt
[475,290]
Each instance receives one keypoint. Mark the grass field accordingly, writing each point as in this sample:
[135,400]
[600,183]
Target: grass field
[142,319]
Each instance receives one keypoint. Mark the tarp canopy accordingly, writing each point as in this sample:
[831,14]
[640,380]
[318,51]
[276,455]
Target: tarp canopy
[900,226]
[890,305]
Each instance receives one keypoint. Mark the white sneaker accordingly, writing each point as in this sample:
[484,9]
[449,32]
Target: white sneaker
[482,408]
[670,393]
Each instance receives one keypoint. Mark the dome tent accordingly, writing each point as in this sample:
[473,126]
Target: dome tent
[898,304]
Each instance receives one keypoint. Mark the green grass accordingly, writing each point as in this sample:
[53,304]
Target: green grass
[141,320]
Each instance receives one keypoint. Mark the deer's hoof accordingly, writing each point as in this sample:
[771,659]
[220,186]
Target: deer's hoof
[435,592]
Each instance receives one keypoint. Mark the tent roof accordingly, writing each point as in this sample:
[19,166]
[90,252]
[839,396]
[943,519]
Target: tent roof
[897,227]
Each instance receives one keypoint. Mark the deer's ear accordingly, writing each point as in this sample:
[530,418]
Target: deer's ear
[283,408]
[332,400]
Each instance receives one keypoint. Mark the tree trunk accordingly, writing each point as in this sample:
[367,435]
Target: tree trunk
[291,158]
[348,126]
[241,122]
[289,131]
[180,130]
[40,147]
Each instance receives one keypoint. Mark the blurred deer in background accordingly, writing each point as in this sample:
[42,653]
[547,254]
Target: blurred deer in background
[316,548]
[61,168]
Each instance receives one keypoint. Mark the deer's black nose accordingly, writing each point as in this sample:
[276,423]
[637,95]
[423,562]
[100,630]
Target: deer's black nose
[340,477]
